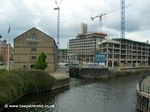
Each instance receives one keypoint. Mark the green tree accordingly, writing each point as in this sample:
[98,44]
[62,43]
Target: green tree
[41,62]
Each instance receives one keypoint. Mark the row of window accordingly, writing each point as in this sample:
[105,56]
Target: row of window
[31,67]
[82,44]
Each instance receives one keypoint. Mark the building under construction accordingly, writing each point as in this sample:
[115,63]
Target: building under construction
[84,46]
[121,52]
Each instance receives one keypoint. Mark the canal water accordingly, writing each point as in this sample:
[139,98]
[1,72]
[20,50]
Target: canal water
[109,95]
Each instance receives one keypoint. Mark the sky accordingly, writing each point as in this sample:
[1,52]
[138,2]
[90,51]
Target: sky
[22,15]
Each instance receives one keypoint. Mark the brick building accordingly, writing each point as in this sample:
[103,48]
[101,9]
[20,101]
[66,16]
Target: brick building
[4,45]
[29,45]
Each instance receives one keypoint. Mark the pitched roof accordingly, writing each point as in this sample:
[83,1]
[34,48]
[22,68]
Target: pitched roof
[34,28]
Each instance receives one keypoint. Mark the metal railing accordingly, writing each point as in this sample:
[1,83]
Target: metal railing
[144,88]
[92,66]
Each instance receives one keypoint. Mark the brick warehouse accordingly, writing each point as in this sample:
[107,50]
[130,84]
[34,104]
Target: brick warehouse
[29,45]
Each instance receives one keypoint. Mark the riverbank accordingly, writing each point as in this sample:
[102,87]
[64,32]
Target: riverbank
[128,71]
[97,73]
[143,94]
[62,78]
[113,95]
[15,84]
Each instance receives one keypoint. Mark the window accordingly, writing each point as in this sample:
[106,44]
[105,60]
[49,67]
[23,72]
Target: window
[33,58]
[33,38]
[34,49]
[32,66]
[24,67]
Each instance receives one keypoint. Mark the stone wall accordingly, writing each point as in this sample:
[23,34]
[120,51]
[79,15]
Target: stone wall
[94,73]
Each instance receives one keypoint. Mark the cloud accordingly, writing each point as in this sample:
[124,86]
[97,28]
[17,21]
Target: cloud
[142,36]
[22,15]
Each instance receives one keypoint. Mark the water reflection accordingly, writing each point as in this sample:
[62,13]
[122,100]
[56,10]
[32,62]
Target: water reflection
[111,95]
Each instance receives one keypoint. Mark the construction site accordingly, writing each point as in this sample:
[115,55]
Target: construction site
[119,52]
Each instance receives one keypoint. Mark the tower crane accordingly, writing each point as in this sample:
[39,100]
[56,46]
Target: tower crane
[100,16]
[58,26]
[122,19]
[58,21]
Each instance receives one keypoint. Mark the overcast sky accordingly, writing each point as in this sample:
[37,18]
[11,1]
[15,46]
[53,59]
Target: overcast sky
[21,15]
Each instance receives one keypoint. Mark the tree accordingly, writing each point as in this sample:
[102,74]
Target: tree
[41,62]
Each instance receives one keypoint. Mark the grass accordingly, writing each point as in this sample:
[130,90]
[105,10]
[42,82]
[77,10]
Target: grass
[2,70]
[16,83]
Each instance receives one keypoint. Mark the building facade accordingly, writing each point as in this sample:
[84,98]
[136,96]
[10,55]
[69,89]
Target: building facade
[29,45]
[122,52]
[84,46]
[84,28]
[6,54]
[63,55]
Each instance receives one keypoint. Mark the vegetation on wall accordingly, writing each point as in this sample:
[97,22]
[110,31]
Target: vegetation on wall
[16,83]
[41,62]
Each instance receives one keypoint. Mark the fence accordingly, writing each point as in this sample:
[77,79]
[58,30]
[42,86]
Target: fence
[144,88]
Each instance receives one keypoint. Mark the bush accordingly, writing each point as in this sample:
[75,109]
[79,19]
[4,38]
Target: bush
[14,84]
[41,62]
[2,70]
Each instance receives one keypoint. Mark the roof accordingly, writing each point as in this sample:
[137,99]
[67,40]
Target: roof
[34,28]
[98,33]
[121,39]
[109,41]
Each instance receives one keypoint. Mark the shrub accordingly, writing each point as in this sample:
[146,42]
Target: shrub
[2,70]
[41,63]
[14,84]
